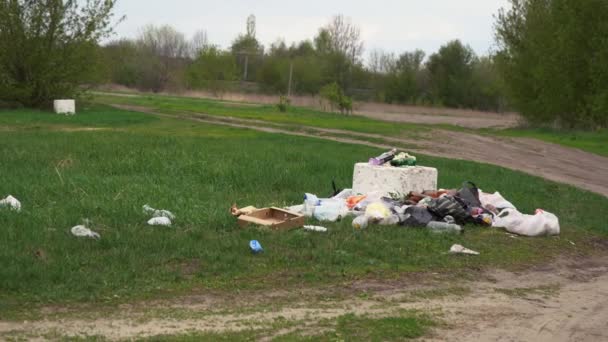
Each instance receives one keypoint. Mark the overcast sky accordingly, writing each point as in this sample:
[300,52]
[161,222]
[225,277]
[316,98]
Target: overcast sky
[391,25]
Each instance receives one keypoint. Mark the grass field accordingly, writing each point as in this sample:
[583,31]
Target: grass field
[594,142]
[104,164]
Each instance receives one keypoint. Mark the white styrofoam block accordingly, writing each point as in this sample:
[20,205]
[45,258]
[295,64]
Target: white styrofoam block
[369,178]
[65,106]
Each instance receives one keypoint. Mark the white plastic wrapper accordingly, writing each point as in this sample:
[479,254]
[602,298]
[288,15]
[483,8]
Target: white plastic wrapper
[158,213]
[459,249]
[82,231]
[160,221]
[11,203]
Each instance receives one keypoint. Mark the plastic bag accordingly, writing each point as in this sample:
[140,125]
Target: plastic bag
[330,210]
[158,213]
[159,221]
[496,200]
[11,203]
[540,224]
[82,231]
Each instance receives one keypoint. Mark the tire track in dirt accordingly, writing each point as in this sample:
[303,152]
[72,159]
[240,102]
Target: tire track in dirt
[566,300]
[551,161]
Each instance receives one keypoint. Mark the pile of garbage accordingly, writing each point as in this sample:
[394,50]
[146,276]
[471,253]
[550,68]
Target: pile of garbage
[442,211]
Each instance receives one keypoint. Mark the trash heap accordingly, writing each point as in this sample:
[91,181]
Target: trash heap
[439,210]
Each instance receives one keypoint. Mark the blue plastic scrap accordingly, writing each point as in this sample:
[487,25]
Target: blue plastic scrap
[255,246]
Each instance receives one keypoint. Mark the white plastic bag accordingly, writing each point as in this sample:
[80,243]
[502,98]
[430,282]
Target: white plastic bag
[331,210]
[82,231]
[159,221]
[11,202]
[495,200]
[158,213]
[540,224]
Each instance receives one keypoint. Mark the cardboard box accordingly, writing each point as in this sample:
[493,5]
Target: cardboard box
[275,218]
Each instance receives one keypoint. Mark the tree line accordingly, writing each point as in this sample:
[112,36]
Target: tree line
[549,63]
[162,58]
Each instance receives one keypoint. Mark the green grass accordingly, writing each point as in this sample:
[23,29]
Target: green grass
[197,171]
[294,116]
[594,142]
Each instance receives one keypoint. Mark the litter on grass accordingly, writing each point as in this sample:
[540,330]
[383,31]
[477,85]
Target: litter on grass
[158,212]
[82,231]
[160,221]
[394,197]
[255,247]
[11,203]
[315,229]
[459,249]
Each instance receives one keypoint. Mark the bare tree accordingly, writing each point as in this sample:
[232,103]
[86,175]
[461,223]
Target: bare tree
[345,37]
[164,41]
[198,43]
[381,62]
[164,52]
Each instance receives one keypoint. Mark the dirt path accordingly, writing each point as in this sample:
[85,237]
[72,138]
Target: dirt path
[380,111]
[563,301]
[551,161]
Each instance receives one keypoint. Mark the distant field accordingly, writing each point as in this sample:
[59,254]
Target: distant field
[594,142]
[64,171]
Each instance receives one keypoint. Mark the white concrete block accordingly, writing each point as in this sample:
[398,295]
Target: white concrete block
[65,106]
[369,178]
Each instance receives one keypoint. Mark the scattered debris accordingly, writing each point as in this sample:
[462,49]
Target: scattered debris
[459,249]
[160,221]
[275,218]
[235,211]
[11,202]
[255,247]
[315,229]
[158,213]
[82,231]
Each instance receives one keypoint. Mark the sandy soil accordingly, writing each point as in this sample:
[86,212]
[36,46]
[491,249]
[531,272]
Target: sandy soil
[566,300]
[551,161]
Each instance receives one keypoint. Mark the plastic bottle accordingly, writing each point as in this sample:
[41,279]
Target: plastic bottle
[361,222]
[255,247]
[443,227]
[383,158]
[310,202]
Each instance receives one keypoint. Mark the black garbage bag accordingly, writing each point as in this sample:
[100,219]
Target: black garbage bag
[417,217]
[469,194]
[452,206]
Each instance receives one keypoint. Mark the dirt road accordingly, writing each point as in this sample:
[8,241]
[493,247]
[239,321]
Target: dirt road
[563,301]
[551,161]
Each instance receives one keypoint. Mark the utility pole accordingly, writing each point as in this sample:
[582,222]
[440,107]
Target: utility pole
[290,75]
[246,66]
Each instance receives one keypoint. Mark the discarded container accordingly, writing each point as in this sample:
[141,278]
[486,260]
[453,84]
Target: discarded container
[361,222]
[444,227]
[310,202]
[330,210]
[383,158]
[11,202]
[274,218]
[315,229]
[255,247]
